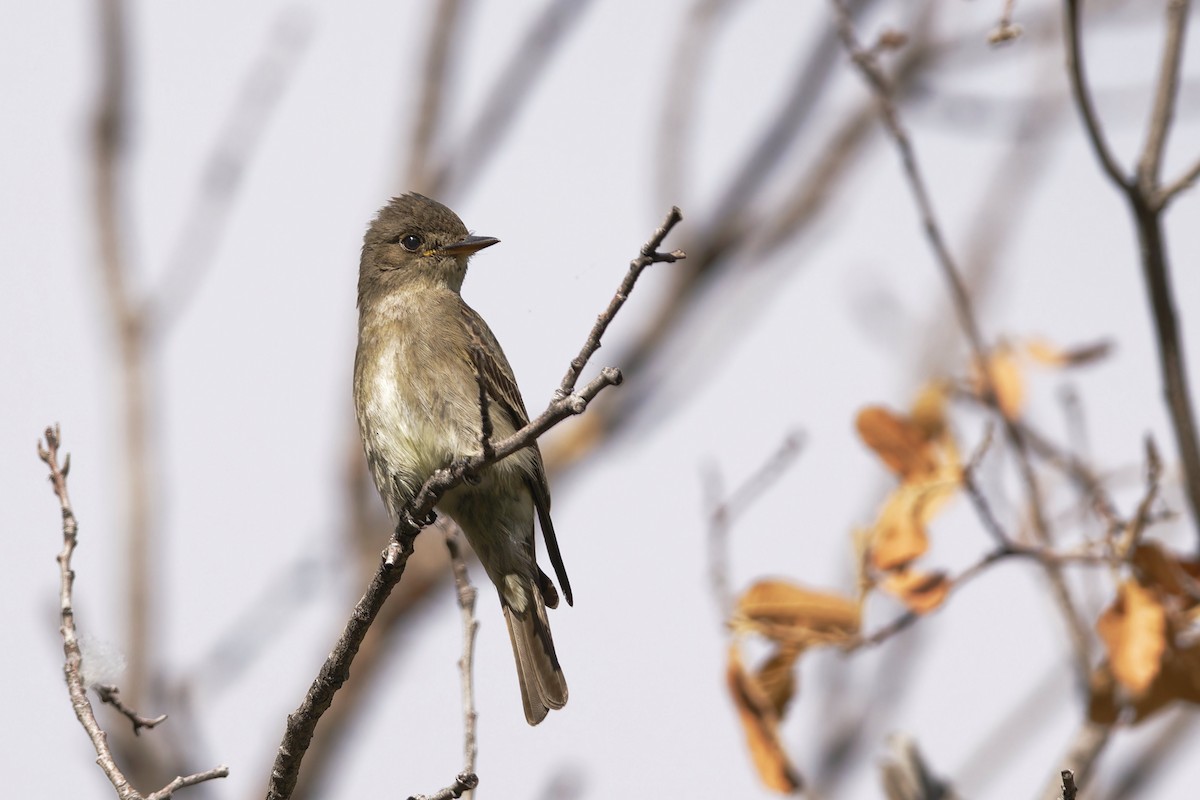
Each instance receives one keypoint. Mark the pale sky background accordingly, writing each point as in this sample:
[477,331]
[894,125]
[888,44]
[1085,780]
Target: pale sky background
[255,399]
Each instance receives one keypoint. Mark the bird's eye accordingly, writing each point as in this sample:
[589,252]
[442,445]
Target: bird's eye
[409,242]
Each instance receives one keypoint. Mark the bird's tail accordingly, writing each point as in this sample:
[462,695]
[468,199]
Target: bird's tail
[543,686]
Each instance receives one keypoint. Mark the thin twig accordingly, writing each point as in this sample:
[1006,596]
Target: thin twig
[1083,98]
[335,671]
[650,254]
[1149,170]
[1089,741]
[1184,182]
[182,782]
[1069,790]
[723,510]
[1147,202]
[110,695]
[84,712]
[464,783]
[467,780]
[1047,559]
[866,62]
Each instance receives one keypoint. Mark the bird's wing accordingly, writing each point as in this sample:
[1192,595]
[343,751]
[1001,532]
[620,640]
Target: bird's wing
[501,386]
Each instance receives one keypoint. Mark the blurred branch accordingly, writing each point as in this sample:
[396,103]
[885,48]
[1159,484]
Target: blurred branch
[679,100]
[505,99]
[1147,201]
[129,324]
[434,89]
[906,775]
[1134,777]
[418,513]
[868,66]
[207,216]
[724,509]
[84,712]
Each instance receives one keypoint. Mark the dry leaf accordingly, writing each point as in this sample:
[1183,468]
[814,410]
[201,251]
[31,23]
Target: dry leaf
[1103,708]
[1051,355]
[929,410]
[1134,630]
[899,533]
[761,724]
[1178,680]
[777,677]
[900,443]
[793,615]
[1175,576]
[922,592]
[1008,382]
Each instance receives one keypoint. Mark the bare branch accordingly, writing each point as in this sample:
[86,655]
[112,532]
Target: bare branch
[335,671]
[509,94]
[723,510]
[466,781]
[679,100]
[84,712]
[1069,790]
[111,695]
[1163,111]
[108,143]
[649,255]
[866,62]
[1083,98]
[207,216]
[1147,201]
[1179,185]
[168,791]
[1090,740]
[433,89]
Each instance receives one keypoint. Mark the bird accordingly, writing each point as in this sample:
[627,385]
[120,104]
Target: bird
[421,358]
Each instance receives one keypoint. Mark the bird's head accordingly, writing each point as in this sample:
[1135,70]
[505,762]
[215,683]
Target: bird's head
[415,239]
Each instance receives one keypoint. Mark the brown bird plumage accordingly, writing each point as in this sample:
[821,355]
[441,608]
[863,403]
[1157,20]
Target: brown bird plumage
[416,396]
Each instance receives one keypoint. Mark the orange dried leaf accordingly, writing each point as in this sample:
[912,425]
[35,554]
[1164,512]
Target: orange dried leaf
[899,535]
[794,615]
[1008,382]
[761,725]
[1134,631]
[1051,355]
[922,592]
[1103,706]
[929,410]
[1168,572]
[901,444]
[1178,680]
[777,677]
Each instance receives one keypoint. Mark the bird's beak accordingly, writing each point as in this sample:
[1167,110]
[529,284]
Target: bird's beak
[468,245]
